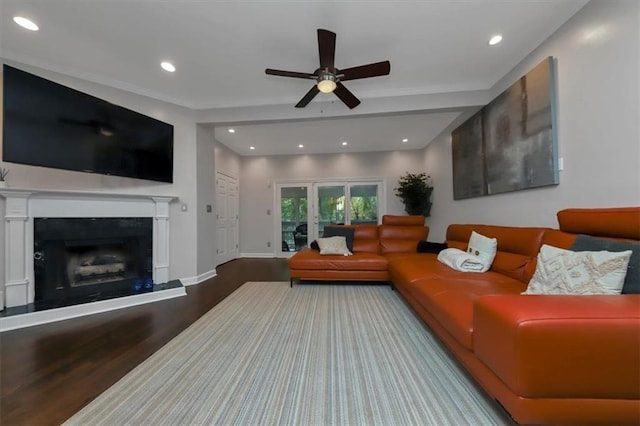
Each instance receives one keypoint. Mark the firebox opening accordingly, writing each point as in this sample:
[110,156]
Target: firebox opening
[87,266]
[79,260]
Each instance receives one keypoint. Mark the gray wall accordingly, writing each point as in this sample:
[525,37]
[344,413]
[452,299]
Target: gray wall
[258,175]
[206,227]
[597,54]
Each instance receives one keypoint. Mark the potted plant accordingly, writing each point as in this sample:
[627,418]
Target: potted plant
[414,189]
[3,177]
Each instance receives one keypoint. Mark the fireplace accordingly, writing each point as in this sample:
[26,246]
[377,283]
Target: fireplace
[79,260]
[96,265]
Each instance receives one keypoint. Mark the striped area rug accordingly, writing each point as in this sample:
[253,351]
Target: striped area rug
[310,355]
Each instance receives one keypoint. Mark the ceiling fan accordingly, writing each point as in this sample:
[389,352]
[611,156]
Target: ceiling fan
[328,77]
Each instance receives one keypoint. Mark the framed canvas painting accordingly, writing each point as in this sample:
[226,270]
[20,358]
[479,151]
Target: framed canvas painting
[511,143]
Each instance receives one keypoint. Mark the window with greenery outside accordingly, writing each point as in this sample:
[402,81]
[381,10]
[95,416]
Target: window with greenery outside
[414,189]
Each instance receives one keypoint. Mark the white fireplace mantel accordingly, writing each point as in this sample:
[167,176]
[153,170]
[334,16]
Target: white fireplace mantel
[22,206]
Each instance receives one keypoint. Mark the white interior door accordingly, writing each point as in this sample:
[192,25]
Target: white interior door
[227,217]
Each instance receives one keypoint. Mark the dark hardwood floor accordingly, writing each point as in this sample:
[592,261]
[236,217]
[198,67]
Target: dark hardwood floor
[50,372]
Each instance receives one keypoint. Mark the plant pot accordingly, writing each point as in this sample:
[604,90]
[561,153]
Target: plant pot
[3,183]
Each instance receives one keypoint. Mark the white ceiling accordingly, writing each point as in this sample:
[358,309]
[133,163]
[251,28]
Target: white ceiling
[221,48]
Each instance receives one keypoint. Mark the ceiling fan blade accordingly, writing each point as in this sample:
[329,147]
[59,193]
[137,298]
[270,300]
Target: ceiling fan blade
[290,74]
[327,48]
[308,97]
[346,96]
[365,71]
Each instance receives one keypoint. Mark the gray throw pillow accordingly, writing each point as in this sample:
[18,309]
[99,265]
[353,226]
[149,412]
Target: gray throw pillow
[429,247]
[632,279]
[340,231]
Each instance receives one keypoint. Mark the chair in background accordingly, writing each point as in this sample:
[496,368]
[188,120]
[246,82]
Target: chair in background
[300,236]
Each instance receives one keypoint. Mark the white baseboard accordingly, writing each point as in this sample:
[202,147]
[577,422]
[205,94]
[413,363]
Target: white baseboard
[259,255]
[199,278]
[52,315]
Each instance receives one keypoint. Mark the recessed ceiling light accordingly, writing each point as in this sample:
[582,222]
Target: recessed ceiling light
[252,148]
[495,39]
[344,143]
[232,130]
[300,146]
[405,140]
[25,23]
[168,66]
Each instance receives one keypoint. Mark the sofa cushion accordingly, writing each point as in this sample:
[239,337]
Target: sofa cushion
[307,259]
[398,238]
[632,279]
[411,220]
[429,247]
[451,301]
[365,238]
[405,268]
[340,231]
[618,222]
[523,242]
[561,271]
[561,347]
[556,238]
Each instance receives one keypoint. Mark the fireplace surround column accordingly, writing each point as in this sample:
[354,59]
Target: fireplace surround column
[16,275]
[161,240]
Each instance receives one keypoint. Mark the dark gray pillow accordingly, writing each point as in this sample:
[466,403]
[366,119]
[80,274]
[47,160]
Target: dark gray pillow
[314,245]
[340,231]
[429,247]
[632,279]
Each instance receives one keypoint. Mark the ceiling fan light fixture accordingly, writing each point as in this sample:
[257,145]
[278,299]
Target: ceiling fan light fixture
[327,83]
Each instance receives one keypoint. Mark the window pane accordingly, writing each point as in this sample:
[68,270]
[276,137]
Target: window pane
[364,204]
[293,211]
[331,201]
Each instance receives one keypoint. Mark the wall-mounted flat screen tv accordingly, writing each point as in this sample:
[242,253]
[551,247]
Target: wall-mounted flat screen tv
[50,125]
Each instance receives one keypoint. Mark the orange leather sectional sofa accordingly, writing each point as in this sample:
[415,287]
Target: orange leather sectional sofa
[547,359]
[371,246]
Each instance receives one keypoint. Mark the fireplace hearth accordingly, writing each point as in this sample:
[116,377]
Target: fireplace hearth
[80,260]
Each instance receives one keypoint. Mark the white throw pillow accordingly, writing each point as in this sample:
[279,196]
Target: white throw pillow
[562,271]
[334,245]
[483,248]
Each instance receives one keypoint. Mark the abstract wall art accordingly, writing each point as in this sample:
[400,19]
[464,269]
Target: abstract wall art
[511,143]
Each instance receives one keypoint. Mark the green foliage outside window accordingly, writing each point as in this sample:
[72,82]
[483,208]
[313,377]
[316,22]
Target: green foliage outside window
[294,209]
[364,209]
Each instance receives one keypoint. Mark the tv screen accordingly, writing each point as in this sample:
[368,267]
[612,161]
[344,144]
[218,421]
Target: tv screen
[51,125]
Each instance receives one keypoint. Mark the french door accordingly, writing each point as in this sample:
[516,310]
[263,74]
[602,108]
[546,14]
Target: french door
[293,210]
[345,203]
[303,209]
